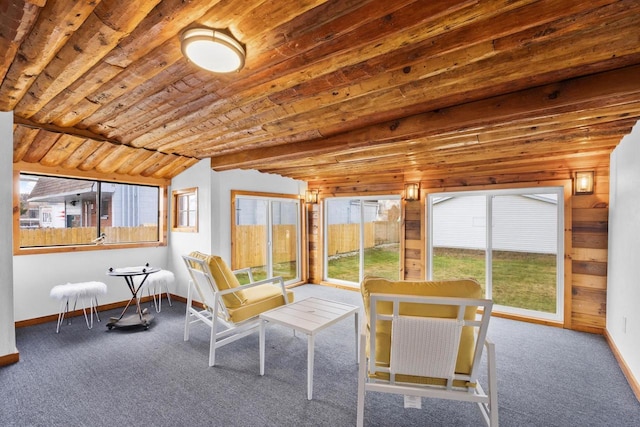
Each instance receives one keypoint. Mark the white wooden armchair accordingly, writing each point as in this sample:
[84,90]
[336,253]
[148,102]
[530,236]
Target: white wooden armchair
[425,339]
[231,310]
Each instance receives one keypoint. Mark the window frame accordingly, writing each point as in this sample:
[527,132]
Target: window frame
[301,243]
[175,210]
[36,169]
[564,269]
[361,198]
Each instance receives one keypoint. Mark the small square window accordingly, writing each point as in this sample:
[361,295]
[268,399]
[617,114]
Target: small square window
[185,210]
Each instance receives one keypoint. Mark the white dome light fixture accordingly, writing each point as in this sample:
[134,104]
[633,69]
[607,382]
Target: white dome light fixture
[212,50]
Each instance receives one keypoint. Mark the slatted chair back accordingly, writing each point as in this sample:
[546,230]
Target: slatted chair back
[428,349]
[427,338]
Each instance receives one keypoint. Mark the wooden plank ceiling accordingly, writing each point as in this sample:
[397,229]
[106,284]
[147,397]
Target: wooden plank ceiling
[331,89]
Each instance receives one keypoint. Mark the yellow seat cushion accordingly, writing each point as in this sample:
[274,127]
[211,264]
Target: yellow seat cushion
[259,299]
[224,278]
[464,288]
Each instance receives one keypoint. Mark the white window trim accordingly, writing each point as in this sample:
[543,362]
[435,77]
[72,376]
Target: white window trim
[559,314]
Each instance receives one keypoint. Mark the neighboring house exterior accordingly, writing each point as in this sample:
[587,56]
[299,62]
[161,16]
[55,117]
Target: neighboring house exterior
[253,211]
[346,211]
[68,203]
[521,223]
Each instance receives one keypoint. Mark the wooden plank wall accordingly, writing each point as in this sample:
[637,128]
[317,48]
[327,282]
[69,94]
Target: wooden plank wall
[589,237]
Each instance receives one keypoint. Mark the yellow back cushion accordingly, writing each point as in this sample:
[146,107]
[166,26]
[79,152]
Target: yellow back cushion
[224,279]
[465,288]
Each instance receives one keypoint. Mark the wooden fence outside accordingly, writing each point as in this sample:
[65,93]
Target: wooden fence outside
[30,237]
[345,238]
[249,248]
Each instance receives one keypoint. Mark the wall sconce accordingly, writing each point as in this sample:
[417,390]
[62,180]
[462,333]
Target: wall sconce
[412,192]
[212,50]
[311,196]
[583,183]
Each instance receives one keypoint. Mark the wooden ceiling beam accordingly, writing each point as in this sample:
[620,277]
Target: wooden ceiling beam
[328,85]
[16,20]
[36,168]
[150,44]
[79,150]
[416,78]
[519,137]
[495,74]
[100,33]
[41,45]
[363,41]
[63,130]
[608,88]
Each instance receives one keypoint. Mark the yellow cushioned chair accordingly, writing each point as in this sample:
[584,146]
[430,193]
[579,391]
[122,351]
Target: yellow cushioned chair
[425,339]
[231,310]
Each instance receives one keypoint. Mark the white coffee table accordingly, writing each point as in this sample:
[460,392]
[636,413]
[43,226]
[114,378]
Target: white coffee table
[309,316]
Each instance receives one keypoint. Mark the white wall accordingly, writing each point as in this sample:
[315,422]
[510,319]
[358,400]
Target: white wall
[7,329]
[198,176]
[623,283]
[35,275]
[214,211]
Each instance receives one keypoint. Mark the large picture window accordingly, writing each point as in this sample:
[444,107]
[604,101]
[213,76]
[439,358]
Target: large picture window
[362,237]
[511,241]
[58,211]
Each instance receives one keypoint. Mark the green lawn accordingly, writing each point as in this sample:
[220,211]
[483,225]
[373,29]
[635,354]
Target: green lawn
[383,261]
[523,280]
[285,269]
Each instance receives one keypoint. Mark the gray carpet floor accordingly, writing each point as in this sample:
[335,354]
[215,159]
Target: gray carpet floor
[79,377]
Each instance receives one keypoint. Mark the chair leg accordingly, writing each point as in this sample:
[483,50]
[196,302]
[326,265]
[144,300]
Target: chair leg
[212,343]
[166,291]
[84,311]
[95,308]
[362,378]
[489,409]
[168,294]
[75,303]
[151,293]
[187,317]
[158,302]
[158,290]
[493,384]
[64,308]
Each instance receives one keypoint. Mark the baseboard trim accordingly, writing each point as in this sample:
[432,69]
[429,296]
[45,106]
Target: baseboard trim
[633,382]
[9,359]
[76,313]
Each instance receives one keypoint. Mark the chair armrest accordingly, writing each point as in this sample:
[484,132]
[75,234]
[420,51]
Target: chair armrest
[245,270]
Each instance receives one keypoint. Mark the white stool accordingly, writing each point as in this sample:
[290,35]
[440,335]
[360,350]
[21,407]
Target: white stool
[74,291]
[154,285]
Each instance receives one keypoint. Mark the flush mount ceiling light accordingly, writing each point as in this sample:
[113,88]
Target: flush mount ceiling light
[212,50]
